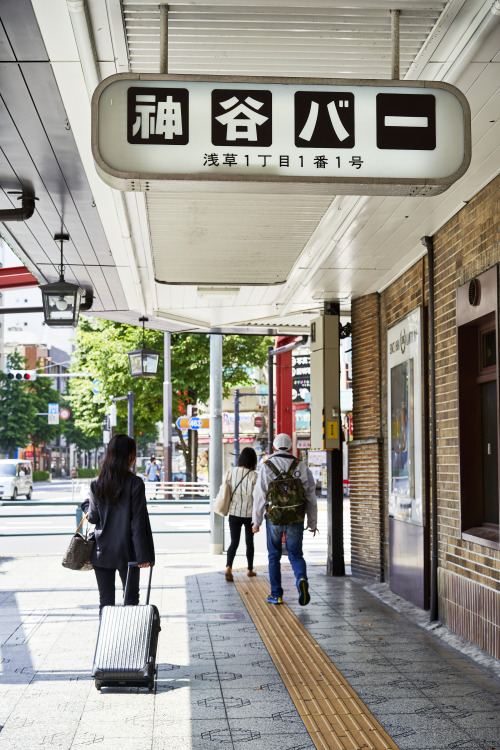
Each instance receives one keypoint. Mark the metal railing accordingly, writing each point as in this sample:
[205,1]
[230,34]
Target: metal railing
[177,490]
[78,514]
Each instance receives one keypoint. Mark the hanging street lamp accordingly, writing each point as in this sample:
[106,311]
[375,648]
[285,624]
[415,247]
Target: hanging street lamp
[143,362]
[62,300]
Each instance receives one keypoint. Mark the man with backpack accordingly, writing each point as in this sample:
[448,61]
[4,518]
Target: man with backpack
[285,492]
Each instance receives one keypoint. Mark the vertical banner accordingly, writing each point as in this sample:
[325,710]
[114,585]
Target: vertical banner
[405,407]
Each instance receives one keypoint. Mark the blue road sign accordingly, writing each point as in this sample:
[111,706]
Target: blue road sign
[195,423]
[96,386]
[53,413]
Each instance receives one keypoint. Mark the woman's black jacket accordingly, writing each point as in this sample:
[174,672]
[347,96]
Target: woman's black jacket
[122,531]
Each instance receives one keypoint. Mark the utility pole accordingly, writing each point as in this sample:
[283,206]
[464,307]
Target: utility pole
[236,444]
[130,397]
[167,409]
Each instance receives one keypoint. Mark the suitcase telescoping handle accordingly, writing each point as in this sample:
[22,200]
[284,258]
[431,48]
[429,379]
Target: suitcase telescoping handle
[125,591]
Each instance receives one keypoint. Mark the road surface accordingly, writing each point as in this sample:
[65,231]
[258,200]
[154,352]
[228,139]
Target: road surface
[54,525]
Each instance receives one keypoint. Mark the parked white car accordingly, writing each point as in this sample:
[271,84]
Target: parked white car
[16,478]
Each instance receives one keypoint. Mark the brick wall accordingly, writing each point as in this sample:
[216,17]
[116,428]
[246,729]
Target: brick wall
[469,573]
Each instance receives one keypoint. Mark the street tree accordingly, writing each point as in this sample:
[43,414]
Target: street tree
[17,407]
[76,436]
[42,394]
[101,350]
[191,375]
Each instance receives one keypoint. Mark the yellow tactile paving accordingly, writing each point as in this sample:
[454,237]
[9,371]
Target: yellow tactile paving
[335,716]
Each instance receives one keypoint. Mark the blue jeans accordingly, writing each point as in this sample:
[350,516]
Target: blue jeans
[293,540]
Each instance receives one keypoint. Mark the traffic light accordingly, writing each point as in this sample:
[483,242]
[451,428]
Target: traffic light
[22,375]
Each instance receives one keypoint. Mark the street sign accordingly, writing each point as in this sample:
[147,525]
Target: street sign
[263,400]
[53,413]
[96,386]
[258,421]
[64,413]
[332,136]
[184,423]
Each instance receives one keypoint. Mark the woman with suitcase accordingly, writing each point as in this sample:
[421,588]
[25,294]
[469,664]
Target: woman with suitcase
[117,507]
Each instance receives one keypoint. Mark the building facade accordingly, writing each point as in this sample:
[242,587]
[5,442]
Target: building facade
[392,459]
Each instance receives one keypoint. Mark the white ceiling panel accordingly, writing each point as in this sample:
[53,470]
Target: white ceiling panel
[285,253]
[269,39]
[229,239]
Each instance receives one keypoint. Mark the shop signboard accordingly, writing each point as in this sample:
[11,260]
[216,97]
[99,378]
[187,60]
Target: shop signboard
[301,378]
[330,136]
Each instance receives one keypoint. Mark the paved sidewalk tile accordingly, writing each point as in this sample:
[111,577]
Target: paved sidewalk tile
[217,684]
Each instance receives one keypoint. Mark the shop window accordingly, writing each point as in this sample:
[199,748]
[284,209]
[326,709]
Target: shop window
[477,335]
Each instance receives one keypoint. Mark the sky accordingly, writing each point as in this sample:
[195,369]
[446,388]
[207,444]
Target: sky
[28,328]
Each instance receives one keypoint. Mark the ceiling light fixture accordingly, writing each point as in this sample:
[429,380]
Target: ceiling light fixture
[62,300]
[143,362]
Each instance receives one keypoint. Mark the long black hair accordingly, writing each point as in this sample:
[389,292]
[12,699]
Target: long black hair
[121,452]
[248,458]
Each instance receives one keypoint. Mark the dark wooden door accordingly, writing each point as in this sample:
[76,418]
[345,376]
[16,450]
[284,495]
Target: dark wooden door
[489,451]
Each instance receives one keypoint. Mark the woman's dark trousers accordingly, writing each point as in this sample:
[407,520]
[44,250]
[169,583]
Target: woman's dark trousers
[235,524]
[106,585]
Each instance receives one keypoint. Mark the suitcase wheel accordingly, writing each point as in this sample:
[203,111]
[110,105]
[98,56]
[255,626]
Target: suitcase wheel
[97,685]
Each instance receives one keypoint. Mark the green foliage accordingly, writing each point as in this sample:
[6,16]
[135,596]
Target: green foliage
[41,476]
[191,365]
[75,435]
[101,350]
[144,439]
[86,473]
[43,394]
[17,408]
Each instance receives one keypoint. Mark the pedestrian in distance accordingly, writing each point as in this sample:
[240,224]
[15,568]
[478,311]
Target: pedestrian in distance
[117,506]
[242,480]
[285,492]
[152,471]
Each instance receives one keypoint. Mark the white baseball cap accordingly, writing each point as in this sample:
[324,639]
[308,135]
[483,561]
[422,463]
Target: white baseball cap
[282,442]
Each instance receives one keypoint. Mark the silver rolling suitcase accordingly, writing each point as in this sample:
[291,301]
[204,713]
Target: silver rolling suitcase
[125,654]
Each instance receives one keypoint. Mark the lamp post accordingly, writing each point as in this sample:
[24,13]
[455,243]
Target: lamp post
[61,300]
[143,362]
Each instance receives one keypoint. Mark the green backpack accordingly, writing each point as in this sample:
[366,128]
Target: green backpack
[285,497]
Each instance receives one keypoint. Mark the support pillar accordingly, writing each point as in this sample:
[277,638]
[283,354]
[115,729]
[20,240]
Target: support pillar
[326,428]
[236,449]
[216,459]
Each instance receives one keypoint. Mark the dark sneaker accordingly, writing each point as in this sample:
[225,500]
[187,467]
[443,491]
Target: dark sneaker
[303,589]
[274,599]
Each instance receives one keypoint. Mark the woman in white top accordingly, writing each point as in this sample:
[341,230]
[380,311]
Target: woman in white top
[242,478]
